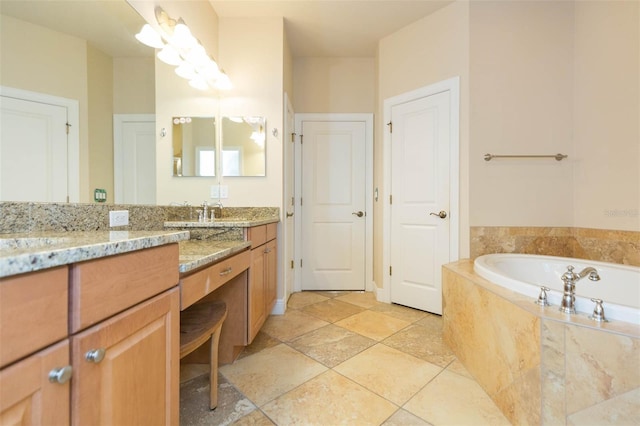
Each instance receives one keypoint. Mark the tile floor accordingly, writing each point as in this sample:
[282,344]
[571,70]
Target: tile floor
[341,358]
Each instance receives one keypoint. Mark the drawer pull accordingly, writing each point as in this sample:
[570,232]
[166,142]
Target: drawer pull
[61,375]
[226,271]
[267,250]
[95,355]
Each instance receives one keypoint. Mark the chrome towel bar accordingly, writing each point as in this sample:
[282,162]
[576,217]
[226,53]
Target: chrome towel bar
[558,157]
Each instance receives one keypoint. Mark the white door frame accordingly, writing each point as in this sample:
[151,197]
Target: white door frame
[453,86]
[118,122]
[368,119]
[73,137]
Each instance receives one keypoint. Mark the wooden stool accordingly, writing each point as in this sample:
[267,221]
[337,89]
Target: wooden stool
[199,323]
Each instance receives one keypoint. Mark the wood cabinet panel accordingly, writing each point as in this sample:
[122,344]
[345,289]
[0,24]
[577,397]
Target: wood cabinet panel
[103,287]
[33,312]
[271,276]
[256,302]
[194,287]
[136,383]
[27,397]
[257,235]
[272,231]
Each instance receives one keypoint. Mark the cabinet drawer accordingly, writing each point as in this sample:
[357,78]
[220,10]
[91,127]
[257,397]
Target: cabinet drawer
[33,312]
[103,287]
[272,231]
[257,235]
[194,287]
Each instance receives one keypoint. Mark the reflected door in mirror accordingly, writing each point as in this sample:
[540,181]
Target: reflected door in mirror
[243,146]
[194,146]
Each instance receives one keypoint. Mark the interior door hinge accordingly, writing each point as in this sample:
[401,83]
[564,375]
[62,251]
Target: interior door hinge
[301,263]
[390,199]
[301,136]
[293,201]
[390,124]
[292,264]
[390,271]
[293,137]
[300,200]
[68,126]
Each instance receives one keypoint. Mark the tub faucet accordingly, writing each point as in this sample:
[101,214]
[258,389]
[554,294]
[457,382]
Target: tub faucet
[570,279]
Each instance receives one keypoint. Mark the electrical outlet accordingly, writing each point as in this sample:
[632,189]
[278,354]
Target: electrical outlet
[119,218]
[215,191]
[224,191]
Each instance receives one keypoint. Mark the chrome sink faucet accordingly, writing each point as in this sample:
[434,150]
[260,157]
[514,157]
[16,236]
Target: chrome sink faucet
[217,204]
[205,206]
[570,279]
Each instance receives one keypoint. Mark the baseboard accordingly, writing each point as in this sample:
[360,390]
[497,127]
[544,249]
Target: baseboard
[279,308]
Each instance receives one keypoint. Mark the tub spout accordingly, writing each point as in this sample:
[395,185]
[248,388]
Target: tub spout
[570,279]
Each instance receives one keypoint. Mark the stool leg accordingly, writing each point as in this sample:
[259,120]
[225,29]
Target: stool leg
[213,368]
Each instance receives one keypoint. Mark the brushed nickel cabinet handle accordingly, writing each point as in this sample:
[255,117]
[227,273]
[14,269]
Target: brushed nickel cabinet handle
[226,271]
[95,355]
[61,375]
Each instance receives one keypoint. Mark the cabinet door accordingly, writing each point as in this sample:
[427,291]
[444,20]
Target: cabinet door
[27,397]
[271,275]
[256,294]
[135,380]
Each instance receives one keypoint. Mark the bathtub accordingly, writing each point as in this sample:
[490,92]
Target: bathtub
[619,285]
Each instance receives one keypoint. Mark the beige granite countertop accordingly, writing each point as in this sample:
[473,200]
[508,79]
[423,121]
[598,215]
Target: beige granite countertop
[225,222]
[28,252]
[195,254]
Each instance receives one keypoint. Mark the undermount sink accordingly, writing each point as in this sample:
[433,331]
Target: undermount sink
[30,242]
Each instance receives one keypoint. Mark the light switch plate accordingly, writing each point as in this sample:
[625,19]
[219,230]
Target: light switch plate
[224,191]
[215,191]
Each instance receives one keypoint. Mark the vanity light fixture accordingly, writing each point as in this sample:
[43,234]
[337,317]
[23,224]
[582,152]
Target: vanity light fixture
[181,49]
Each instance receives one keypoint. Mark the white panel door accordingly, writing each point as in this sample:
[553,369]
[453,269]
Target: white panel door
[134,160]
[33,151]
[289,197]
[420,191]
[333,205]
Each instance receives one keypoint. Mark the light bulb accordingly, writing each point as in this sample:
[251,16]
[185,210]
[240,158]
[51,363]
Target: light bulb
[198,83]
[150,37]
[169,55]
[182,37]
[186,70]
[223,82]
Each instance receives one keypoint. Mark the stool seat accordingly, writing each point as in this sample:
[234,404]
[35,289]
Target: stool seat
[199,323]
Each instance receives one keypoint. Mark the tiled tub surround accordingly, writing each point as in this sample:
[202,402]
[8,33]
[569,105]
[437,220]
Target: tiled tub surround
[583,243]
[537,366]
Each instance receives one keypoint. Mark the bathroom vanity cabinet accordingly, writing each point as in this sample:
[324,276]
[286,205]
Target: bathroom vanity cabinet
[262,275]
[113,352]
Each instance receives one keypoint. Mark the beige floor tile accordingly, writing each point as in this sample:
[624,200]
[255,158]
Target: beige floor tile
[405,418]
[400,312]
[363,299]
[457,367]
[423,343]
[454,399]
[332,293]
[331,345]
[256,418]
[260,342]
[304,298]
[331,310]
[374,325]
[329,399]
[271,372]
[433,322]
[388,372]
[291,325]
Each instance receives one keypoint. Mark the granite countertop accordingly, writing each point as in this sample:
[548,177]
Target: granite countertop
[225,222]
[28,252]
[195,254]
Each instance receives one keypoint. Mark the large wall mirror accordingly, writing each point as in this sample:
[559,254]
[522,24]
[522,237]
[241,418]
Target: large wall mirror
[243,146]
[194,146]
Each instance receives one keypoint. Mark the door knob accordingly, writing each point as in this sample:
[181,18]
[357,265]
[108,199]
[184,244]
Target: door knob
[289,214]
[359,214]
[442,214]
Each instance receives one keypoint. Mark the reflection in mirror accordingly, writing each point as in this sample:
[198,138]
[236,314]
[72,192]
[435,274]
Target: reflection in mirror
[243,146]
[194,146]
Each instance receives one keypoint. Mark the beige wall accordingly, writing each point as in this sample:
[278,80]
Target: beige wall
[607,115]
[40,60]
[521,69]
[288,69]
[256,70]
[432,49]
[336,85]
[134,89]
[100,91]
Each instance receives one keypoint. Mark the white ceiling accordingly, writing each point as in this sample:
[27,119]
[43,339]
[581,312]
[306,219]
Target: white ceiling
[343,28]
[315,28]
